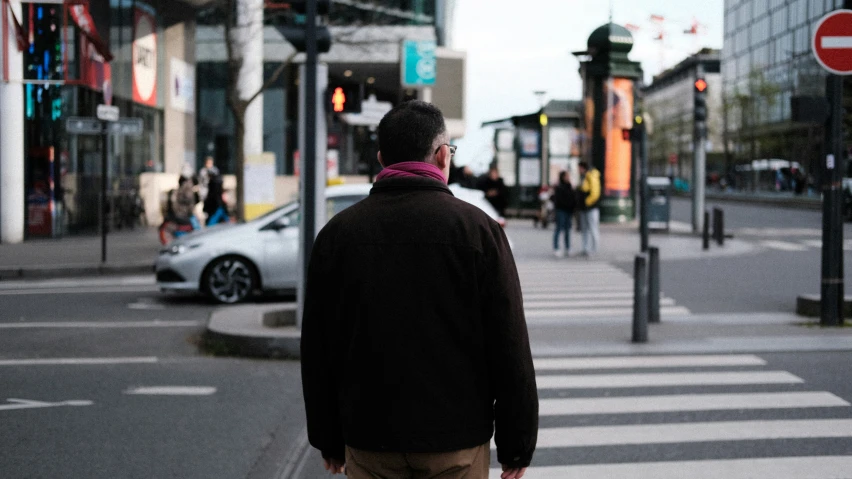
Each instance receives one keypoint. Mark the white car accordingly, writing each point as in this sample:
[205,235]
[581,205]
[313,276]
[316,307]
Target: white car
[231,262]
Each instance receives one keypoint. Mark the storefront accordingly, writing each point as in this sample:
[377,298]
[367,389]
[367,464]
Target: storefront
[78,55]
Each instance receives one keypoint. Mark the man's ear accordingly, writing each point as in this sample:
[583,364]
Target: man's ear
[442,159]
[380,159]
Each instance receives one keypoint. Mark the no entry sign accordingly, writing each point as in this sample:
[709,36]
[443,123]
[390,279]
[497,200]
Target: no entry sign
[832,42]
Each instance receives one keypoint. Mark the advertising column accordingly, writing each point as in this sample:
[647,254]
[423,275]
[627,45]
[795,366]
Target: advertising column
[11,130]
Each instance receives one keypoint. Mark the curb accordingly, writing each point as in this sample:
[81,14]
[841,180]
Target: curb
[42,272]
[264,331]
[810,305]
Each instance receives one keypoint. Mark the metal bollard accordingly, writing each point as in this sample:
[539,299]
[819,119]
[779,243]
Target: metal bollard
[640,300]
[706,233]
[653,284]
[720,222]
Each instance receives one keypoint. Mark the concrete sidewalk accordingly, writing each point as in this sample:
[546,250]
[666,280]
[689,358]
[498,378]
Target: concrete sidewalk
[128,252]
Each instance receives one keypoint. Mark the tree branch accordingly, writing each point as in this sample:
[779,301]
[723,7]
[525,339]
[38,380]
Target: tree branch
[273,78]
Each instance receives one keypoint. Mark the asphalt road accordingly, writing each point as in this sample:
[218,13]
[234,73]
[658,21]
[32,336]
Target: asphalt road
[111,383]
[104,379]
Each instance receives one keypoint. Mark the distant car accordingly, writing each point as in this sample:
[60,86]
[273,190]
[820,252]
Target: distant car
[230,262]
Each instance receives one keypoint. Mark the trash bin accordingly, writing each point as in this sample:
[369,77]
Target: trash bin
[659,203]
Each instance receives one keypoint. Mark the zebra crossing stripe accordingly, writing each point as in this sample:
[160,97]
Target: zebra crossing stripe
[587,295]
[593,436]
[586,288]
[687,402]
[783,245]
[624,313]
[600,381]
[814,467]
[589,303]
[620,362]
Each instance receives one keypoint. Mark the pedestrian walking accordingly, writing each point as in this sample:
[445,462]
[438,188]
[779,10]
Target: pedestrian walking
[204,176]
[495,190]
[564,201]
[214,205]
[183,200]
[414,344]
[589,196]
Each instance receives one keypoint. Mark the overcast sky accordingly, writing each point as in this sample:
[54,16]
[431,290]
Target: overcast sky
[517,47]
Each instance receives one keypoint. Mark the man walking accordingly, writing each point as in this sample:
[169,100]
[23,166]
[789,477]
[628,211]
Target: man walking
[590,194]
[414,344]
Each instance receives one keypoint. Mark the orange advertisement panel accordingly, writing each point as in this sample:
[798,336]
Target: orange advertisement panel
[618,94]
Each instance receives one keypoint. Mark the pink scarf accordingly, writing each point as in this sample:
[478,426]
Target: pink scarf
[412,168]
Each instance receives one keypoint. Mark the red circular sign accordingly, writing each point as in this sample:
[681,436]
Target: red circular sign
[832,42]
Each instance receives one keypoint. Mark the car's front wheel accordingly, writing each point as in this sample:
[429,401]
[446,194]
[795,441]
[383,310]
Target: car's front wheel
[229,279]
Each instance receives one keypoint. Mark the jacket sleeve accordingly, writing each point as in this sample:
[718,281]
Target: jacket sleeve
[320,359]
[511,370]
[594,188]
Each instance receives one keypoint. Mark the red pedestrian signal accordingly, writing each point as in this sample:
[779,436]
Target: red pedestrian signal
[343,98]
[338,99]
[700,85]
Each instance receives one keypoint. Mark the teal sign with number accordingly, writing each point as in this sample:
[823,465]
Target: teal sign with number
[419,64]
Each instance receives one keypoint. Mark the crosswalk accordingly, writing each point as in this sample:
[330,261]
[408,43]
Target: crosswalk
[577,289]
[799,244]
[689,416]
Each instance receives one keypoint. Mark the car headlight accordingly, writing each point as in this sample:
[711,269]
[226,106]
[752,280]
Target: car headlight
[180,248]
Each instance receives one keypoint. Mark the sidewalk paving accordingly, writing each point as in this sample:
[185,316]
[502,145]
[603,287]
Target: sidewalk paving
[128,252]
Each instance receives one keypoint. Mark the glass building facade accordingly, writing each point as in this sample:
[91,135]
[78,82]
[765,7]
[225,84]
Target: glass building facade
[767,60]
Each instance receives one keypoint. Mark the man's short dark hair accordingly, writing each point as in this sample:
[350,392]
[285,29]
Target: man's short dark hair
[408,131]
[583,165]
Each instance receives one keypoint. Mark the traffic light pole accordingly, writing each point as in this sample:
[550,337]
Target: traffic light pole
[699,162]
[312,141]
[832,290]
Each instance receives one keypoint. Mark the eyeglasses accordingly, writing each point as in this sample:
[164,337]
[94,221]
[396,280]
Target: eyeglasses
[452,148]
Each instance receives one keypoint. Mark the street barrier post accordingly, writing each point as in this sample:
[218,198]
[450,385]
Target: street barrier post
[706,233]
[653,284]
[640,300]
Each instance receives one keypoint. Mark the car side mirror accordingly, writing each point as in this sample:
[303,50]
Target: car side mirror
[281,223]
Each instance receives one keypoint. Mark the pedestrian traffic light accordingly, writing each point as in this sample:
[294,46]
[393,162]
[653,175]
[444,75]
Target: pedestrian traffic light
[295,34]
[301,6]
[343,98]
[294,29]
[700,100]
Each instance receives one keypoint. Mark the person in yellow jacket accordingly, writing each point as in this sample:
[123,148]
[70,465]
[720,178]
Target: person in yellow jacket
[590,218]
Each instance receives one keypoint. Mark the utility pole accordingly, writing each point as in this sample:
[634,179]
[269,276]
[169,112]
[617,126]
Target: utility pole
[699,164]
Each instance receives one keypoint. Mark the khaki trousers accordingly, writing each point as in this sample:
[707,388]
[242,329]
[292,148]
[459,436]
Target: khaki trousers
[470,463]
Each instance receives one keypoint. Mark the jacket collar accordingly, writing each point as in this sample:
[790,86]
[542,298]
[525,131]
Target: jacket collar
[388,185]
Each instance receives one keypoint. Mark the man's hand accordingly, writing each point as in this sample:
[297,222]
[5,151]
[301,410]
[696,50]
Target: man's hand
[513,472]
[336,466]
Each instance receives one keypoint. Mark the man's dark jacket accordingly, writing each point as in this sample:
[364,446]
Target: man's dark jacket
[413,334]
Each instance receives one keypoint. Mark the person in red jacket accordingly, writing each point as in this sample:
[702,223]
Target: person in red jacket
[414,346]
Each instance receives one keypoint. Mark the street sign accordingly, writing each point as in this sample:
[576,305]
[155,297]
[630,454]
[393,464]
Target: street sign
[107,113]
[419,63]
[832,42]
[126,127]
[92,126]
[83,126]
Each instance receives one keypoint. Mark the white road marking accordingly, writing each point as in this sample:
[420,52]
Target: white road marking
[607,381]
[812,243]
[172,390]
[587,288]
[687,402]
[836,42]
[77,361]
[619,362]
[101,324]
[626,313]
[588,303]
[146,280]
[813,467]
[783,245]
[572,295]
[30,404]
[693,432]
